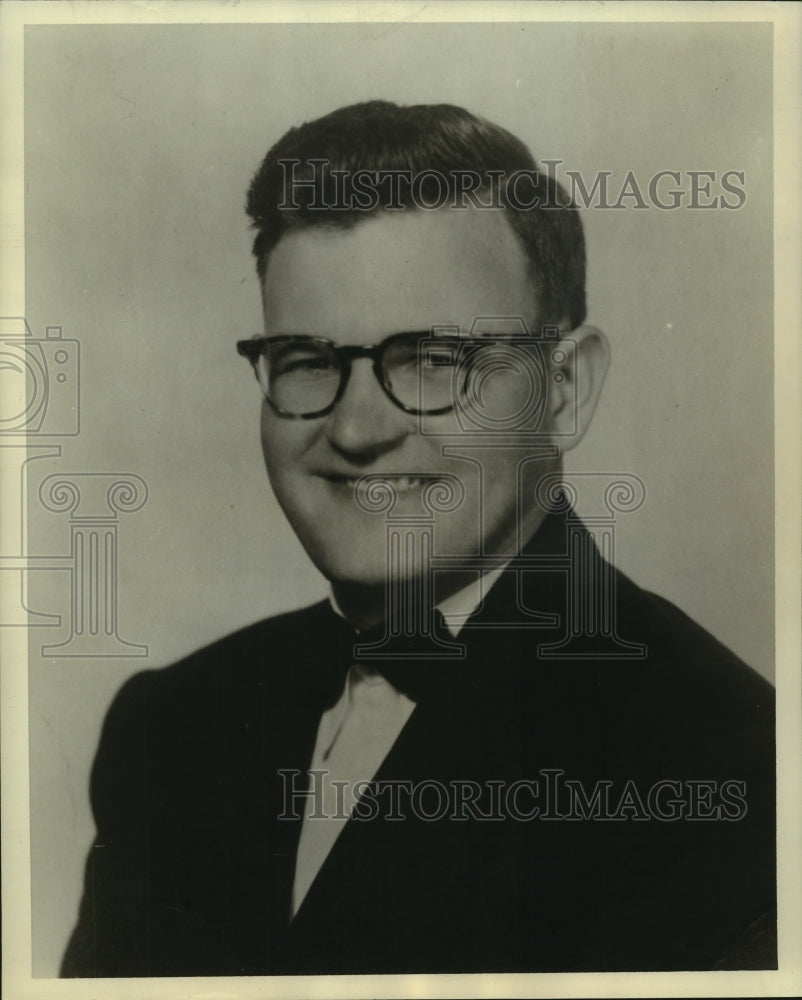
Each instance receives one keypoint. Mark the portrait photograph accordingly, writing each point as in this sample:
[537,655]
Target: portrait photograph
[400,550]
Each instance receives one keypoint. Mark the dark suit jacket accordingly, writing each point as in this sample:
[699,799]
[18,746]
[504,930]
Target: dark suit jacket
[191,870]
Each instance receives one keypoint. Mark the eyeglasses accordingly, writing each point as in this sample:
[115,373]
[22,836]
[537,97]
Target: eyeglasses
[304,377]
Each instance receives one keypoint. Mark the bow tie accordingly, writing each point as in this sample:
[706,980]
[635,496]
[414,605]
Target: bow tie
[419,665]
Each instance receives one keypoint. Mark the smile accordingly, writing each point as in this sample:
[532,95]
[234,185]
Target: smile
[401,483]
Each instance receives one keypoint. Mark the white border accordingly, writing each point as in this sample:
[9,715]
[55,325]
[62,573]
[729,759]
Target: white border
[787,20]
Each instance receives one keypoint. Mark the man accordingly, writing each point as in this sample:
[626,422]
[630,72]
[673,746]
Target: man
[489,751]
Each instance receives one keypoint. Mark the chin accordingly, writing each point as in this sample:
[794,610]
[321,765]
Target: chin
[361,573]
[353,568]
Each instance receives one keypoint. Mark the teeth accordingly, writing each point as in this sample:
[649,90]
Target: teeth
[404,483]
[401,483]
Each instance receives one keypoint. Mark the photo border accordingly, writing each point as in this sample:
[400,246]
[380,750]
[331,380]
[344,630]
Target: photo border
[787,981]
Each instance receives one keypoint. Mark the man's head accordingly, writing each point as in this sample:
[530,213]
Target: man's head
[354,277]
[317,175]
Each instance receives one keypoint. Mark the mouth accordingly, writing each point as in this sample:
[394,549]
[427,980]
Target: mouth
[402,483]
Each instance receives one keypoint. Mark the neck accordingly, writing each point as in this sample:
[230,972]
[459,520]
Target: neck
[367,607]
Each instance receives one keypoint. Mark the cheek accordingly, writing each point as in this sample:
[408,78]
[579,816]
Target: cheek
[510,486]
[500,499]
[282,448]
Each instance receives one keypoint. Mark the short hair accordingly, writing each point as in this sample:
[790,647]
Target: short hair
[384,138]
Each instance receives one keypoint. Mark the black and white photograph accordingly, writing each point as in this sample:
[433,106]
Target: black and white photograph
[400,551]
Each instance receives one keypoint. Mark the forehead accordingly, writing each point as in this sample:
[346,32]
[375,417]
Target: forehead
[398,271]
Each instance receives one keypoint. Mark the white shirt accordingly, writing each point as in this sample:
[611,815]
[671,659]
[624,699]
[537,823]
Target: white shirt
[354,737]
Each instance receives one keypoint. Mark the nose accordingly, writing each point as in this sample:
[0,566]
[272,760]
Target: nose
[365,423]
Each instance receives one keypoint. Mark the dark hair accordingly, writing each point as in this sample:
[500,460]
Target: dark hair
[381,138]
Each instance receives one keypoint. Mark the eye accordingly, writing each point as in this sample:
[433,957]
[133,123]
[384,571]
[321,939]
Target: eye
[292,359]
[406,351]
[308,364]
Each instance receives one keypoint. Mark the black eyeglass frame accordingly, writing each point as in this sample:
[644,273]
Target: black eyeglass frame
[254,347]
[345,354]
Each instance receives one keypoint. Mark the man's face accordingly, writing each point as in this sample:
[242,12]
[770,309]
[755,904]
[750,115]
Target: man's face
[396,272]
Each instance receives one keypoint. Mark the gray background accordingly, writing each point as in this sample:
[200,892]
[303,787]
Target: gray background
[140,142]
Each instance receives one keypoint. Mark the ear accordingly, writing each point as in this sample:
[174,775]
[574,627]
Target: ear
[579,363]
